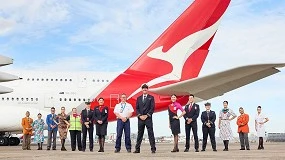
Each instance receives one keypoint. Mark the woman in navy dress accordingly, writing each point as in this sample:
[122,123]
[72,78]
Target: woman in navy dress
[174,123]
[101,119]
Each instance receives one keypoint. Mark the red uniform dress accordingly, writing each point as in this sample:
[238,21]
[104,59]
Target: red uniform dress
[174,123]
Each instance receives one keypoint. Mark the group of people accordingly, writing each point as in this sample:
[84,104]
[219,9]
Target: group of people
[80,124]
[208,118]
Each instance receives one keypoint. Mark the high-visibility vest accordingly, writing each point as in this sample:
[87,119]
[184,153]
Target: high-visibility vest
[75,123]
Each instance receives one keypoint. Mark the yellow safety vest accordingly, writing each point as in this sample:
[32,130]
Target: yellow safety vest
[75,123]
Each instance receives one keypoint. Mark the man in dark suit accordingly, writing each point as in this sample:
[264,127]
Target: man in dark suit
[208,118]
[87,125]
[192,113]
[144,109]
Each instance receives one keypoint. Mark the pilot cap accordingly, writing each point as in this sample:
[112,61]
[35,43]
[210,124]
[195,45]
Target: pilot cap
[207,104]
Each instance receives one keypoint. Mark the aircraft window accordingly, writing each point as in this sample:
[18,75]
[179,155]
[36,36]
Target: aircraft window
[60,79]
[69,99]
[51,79]
[60,99]
[17,99]
[84,99]
[107,80]
[12,99]
[42,79]
[74,99]
[93,80]
[7,99]
[70,80]
[28,79]
[46,79]
[79,99]
[33,79]
[64,99]
[32,99]
[55,79]
[37,99]
[65,79]
[98,80]
[38,79]
[22,99]
[102,80]
[88,100]
[27,99]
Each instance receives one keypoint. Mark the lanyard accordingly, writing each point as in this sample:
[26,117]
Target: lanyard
[123,107]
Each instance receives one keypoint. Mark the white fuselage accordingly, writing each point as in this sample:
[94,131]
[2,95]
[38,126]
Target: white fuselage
[39,91]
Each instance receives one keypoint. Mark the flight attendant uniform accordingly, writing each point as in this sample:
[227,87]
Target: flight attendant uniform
[243,130]
[172,112]
[27,132]
[101,113]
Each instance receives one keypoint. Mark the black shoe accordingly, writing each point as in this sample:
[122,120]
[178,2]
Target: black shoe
[153,151]
[91,150]
[203,150]
[242,149]
[129,150]
[262,148]
[117,151]
[225,149]
[214,150]
[83,150]
[247,149]
[186,150]
[136,151]
[196,150]
[175,150]
[73,149]
[48,149]
[63,149]
[28,148]
[54,149]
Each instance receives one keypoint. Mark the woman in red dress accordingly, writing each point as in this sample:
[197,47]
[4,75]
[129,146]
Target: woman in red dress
[174,123]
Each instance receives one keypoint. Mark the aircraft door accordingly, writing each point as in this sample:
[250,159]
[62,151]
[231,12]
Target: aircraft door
[49,101]
[114,99]
[82,82]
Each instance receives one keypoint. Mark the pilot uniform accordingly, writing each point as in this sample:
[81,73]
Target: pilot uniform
[87,116]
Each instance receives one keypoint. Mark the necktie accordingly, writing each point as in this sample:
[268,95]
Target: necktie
[208,112]
[87,112]
[144,98]
[190,107]
[52,116]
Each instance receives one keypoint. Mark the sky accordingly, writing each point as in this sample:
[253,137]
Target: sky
[69,35]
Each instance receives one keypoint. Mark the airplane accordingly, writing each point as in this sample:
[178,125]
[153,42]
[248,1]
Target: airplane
[170,65]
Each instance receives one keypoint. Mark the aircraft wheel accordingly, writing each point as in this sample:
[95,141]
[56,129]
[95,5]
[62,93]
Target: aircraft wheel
[14,141]
[4,141]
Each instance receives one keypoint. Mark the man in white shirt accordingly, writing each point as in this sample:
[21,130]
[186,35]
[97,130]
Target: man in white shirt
[123,112]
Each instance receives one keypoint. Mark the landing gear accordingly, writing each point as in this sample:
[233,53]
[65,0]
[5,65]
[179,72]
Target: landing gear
[6,141]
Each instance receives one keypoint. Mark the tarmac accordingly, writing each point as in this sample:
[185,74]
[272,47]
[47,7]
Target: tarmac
[273,151]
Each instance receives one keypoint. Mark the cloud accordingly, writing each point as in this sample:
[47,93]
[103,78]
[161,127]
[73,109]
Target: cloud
[252,39]
[33,18]
[6,26]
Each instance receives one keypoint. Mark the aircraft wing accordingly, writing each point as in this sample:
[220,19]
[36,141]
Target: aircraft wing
[219,83]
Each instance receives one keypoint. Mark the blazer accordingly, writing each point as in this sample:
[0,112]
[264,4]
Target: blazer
[193,113]
[87,118]
[103,116]
[242,122]
[50,121]
[146,107]
[27,123]
[205,119]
